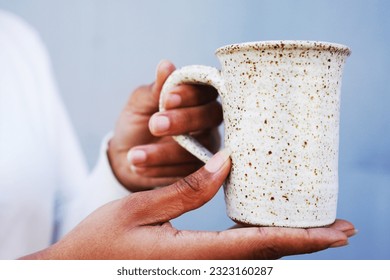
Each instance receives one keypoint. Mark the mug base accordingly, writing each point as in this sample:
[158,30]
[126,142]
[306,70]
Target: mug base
[283,224]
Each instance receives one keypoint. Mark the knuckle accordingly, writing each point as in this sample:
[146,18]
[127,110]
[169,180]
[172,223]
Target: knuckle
[192,188]
[192,183]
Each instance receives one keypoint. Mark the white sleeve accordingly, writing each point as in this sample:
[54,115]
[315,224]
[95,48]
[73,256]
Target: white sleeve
[45,185]
[100,187]
[78,192]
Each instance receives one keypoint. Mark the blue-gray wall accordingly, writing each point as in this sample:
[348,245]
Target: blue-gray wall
[102,49]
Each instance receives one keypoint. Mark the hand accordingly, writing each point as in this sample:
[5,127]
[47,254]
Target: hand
[137,227]
[155,159]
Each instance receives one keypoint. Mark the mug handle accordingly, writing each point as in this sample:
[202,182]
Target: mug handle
[193,74]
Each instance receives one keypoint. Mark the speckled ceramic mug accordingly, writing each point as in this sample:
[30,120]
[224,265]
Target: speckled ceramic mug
[281,103]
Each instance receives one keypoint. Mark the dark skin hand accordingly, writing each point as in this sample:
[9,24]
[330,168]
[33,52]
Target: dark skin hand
[138,227]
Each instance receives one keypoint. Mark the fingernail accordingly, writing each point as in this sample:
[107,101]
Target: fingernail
[351,233]
[173,100]
[218,160]
[339,243]
[162,63]
[136,156]
[159,124]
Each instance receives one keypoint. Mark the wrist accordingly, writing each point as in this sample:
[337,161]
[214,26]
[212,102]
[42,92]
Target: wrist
[117,163]
[110,153]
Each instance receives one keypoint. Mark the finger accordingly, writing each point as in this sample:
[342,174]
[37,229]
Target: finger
[165,153]
[344,226]
[164,69]
[185,120]
[256,243]
[162,205]
[341,225]
[180,171]
[170,152]
[187,95]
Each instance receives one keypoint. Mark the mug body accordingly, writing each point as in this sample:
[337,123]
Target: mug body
[281,103]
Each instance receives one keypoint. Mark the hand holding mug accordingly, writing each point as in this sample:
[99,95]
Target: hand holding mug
[142,152]
[138,227]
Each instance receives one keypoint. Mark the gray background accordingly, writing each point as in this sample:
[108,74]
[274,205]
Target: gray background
[101,50]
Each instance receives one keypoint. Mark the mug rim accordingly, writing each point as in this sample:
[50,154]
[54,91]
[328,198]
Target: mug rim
[285,45]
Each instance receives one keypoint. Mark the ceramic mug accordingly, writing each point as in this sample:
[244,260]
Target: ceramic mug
[281,107]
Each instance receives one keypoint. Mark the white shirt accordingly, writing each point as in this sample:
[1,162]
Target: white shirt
[45,188]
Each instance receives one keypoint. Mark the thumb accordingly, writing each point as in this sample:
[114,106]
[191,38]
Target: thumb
[186,194]
[163,70]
